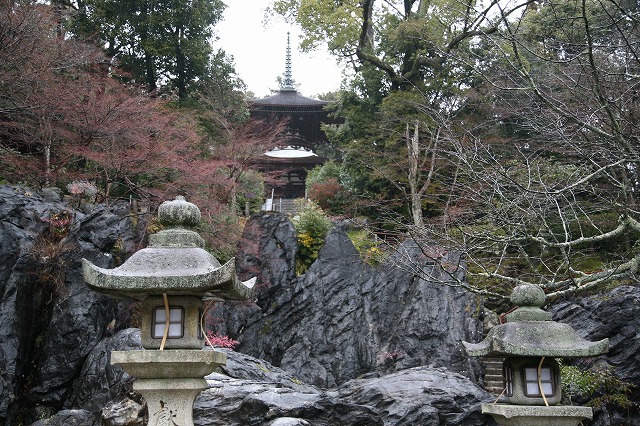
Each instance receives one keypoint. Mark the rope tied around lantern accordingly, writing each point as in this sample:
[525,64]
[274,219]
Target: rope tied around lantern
[544,398]
[167,321]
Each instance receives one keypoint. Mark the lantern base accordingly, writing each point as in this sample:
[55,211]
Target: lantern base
[533,415]
[169,380]
[170,401]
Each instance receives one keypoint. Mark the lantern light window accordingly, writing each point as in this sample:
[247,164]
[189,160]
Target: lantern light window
[176,322]
[546,380]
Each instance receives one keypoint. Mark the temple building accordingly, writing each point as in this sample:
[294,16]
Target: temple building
[298,153]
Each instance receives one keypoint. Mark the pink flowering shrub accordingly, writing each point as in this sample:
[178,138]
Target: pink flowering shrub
[83,189]
[220,341]
[390,357]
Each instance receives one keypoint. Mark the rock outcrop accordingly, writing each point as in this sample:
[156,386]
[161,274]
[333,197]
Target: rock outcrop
[51,320]
[250,391]
[344,318]
[415,396]
[345,343]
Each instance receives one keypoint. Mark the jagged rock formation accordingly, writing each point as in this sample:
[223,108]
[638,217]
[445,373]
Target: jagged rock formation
[346,343]
[345,318]
[51,321]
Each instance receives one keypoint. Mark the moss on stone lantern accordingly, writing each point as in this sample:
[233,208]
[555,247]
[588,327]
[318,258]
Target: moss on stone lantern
[530,341]
[172,277]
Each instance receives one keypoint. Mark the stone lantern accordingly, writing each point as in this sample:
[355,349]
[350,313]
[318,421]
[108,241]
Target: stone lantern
[530,342]
[172,277]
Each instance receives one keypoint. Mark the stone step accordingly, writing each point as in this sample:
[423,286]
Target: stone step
[285,205]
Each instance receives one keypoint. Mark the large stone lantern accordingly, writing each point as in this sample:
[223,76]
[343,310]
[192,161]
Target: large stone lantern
[172,277]
[530,342]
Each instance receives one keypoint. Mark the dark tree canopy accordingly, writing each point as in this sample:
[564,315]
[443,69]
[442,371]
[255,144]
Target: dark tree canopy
[155,41]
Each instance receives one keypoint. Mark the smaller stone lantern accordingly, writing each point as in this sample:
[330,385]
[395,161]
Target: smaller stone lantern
[172,277]
[530,341]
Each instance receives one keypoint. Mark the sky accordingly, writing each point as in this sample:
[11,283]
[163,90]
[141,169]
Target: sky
[259,51]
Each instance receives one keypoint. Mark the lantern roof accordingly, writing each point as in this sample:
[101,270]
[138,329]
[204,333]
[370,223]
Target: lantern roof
[174,263]
[529,331]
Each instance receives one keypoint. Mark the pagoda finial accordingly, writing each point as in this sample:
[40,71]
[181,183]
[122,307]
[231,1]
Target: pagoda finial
[287,83]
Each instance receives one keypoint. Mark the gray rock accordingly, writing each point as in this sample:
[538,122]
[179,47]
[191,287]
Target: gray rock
[379,338]
[99,381]
[51,320]
[51,194]
[253,392]
[125,412]
[241,366]
[289,421]
[421,395]
[269,246]
[615,316]
[344,318]
[69,418]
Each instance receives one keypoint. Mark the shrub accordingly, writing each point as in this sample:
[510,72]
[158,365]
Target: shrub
[367,245]
[82,191]
[220,341]
[322,173]
[331,196]
[599,385]
[312,226]
[50,248]
[325,187]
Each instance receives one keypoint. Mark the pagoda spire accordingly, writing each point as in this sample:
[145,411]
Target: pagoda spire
[287,82]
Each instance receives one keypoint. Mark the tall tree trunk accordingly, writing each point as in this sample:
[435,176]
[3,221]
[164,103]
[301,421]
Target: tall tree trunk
[47,162]
[413,148]
[150,70]
[181,64]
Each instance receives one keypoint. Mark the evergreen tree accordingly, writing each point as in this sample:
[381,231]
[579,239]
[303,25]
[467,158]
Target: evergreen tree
[163,43]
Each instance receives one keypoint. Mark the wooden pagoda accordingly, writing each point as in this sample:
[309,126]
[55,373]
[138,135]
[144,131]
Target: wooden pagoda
[298,154]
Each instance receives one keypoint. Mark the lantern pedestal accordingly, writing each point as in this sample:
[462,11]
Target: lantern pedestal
[170,401]
[535,415]
[169,380]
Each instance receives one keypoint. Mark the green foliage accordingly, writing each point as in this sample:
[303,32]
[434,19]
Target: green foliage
[331,196]
[600,385]
[251,190]
[557,29]
[367,245]
[312,226]
[324,21]
[219,100]
[322,173]
[156,41]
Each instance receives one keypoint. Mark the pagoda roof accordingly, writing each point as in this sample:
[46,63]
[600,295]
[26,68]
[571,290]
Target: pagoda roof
[288,97]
